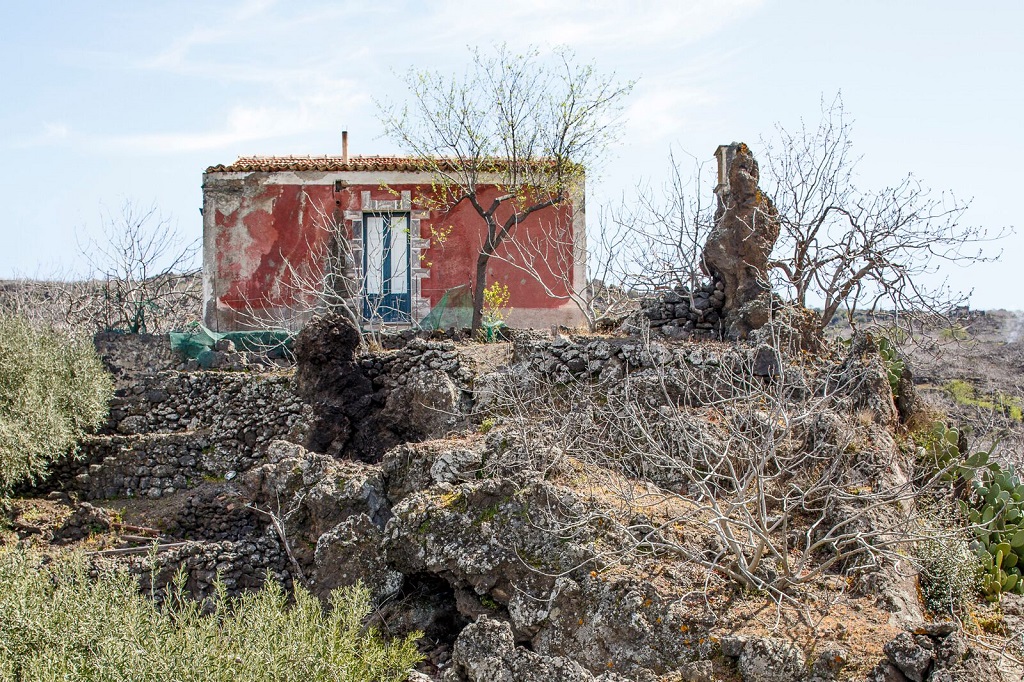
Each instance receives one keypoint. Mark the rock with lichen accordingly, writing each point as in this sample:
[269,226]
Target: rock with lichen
[738,250]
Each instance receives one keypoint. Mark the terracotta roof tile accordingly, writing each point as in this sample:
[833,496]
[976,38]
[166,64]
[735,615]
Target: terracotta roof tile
[270,164]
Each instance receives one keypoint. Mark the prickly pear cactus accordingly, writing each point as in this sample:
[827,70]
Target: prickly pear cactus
[996,513]
[894,365]
[941,453]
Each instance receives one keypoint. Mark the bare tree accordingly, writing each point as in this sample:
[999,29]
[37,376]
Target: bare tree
[550,259]
[328,280]
[766,480]
[141,279]
[145,270]
[840,247]
[861,250]
[668,228]
[650,242]
[515,122]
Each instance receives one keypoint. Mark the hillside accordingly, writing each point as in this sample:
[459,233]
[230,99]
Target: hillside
[551,508]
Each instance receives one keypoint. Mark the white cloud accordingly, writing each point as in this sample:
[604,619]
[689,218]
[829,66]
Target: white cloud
[320,66]
[662,113]
[585,23]
[53,132]
[233,23]
[320,110]
[665,103]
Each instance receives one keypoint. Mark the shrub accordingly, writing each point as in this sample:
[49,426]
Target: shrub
[993,506]
[495,310]
[61,624]
[950,574]
[52,389]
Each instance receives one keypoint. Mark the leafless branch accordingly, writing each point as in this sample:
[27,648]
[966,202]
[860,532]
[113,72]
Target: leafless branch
[849,249]
[525,127]
[770,481]
[145,272]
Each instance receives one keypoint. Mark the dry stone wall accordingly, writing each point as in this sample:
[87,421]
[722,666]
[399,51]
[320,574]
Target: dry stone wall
[566,359]
[684,314]
[151,466]
[127,356]
[249,407]
[387,371]
[172,430]
[238,565]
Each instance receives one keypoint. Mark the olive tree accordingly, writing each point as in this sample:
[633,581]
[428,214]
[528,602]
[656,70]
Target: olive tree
[53,388]
[525,124]
[65,620]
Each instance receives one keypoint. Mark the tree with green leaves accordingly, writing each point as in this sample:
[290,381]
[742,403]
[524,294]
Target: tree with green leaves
[527,125]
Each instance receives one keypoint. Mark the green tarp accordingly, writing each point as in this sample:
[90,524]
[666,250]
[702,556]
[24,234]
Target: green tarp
[199,342]
[455,309]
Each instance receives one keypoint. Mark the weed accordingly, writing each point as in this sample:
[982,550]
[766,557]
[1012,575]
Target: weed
[454,500]
[956,332]
[964,393]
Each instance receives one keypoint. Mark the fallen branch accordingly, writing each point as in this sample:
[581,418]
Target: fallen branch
[134,529]
[142,538]
[137,550]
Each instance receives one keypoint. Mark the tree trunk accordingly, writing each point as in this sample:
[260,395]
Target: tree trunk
[479,284]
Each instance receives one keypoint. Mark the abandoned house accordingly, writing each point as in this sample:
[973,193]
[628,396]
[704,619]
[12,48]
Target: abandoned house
[280,234]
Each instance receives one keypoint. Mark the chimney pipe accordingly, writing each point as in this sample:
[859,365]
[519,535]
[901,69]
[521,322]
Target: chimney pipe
[344,146]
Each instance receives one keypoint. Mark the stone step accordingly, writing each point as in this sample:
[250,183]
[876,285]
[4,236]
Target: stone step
[151,465]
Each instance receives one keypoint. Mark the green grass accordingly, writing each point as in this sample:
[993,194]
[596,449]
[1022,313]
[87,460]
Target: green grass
[965,394]
[60,623]
[957,332]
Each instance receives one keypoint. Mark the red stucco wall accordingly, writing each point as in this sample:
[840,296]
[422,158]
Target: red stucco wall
[262,244]
[261,238]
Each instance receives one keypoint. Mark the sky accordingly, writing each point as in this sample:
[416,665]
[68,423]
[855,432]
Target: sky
[107,101]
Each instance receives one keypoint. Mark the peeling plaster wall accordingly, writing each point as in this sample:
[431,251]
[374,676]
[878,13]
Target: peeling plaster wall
[261,231]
